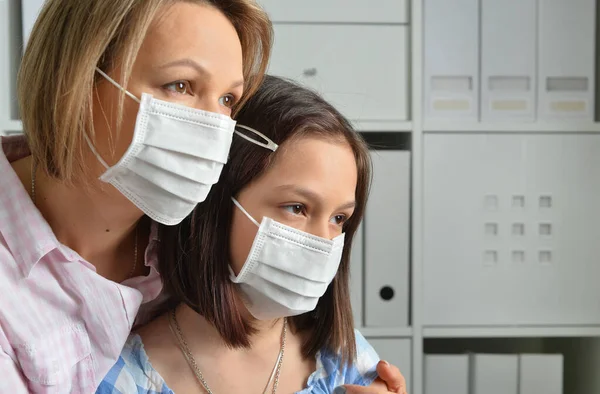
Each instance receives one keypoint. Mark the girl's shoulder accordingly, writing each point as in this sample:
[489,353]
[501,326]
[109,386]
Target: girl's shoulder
[332,371]
[133,372]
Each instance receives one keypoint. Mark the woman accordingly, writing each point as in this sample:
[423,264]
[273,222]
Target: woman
[259,275]
[77,255]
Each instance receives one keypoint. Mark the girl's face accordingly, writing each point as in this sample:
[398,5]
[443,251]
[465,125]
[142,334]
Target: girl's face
[310,186]
[191,55]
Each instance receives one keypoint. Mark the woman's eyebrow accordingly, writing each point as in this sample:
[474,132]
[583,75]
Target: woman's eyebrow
[185,62]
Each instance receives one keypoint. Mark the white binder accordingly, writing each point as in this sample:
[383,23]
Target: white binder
[566,59]
[398,353]
[508,60]
[387,241]
[451,59]
[494,374]
[541,373]
[447,374]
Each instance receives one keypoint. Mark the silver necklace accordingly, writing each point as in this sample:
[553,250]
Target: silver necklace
[135,249]
[189,357]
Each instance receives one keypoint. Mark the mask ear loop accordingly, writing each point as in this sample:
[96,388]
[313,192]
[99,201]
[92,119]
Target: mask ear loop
[109,79]
[87,138]
[94,151]
[236,202]
[269,145]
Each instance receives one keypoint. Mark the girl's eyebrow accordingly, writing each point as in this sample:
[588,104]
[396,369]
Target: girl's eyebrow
[348,205]
[302,191]
[310,195]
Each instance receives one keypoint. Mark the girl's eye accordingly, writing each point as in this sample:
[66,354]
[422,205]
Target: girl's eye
[227,101]
[180,87]
[296,209]
[339,219]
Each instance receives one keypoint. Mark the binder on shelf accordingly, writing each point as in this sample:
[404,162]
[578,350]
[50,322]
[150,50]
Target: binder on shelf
[446,373]
[356,277]
[541,373]
[397,352]
[386,226]
[30,10]
[566,59]
[494,374]
[451,37]
[508,60]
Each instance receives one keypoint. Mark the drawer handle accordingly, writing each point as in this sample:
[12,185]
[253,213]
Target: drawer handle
[310,72]
[386,293]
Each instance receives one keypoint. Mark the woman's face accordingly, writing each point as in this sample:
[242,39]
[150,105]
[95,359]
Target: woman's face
[310,186]
[191,55]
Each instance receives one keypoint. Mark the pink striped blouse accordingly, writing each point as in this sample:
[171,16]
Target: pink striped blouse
[62,326]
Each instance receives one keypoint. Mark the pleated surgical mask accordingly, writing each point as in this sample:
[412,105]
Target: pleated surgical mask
[287,270]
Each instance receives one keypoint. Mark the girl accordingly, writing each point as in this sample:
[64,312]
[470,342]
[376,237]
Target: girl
[259,277]
[76,258]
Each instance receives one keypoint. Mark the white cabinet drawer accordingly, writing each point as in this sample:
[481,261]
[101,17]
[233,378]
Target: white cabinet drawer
[361,70]
[511,230]
[386,11]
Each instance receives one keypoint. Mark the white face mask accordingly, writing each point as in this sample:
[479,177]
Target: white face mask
[287,270]
[176,155]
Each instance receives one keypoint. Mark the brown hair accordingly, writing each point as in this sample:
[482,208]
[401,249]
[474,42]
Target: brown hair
[71,37]
[195,265]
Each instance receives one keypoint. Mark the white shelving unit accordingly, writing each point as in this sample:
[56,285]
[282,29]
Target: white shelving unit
[377,80]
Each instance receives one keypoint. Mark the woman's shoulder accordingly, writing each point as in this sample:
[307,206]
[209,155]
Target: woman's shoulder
[133,372]
[332,371]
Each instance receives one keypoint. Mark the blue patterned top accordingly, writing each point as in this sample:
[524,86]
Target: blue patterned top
[133,372]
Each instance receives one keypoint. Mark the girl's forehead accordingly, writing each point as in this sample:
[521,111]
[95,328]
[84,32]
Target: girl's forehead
[311,164]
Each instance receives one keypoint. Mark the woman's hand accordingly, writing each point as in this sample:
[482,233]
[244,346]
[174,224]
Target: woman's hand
[390,381]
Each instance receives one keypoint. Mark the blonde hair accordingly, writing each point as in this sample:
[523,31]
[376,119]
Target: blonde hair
[72,37]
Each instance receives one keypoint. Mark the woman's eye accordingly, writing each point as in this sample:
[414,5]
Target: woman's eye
[227,101]
[296,209]
[339,219]
[180,87]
